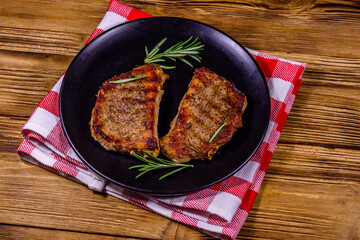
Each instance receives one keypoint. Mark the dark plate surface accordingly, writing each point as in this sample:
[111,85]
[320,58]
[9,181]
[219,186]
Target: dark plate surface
[118,50]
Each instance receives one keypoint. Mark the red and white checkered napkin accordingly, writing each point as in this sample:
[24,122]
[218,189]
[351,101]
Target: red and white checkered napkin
[219,211]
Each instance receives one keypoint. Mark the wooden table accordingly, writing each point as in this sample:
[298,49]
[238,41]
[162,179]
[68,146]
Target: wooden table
[312,187]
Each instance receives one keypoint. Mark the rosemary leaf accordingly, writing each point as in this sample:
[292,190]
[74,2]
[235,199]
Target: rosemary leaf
[157,159]
[161,42]
[172,172]
[138,166]
[197,58]
[176,46]
[186,61]
[216,133]
[141,158]
[188,40]
[167,67]
[156,48]
[127,79]
[142,173]
[194,149]
[153,52]
[188,52]
[196,45]
[158,60]
[175,55]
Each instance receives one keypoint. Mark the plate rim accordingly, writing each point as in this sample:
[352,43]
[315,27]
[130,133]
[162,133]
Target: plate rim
[168,193]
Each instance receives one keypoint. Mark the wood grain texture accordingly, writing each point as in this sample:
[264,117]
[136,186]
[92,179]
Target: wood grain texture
[312,187]
[11,232]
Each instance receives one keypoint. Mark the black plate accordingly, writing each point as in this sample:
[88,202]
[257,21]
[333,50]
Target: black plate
[119,50]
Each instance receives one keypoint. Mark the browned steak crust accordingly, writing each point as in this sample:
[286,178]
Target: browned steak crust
[125,115]
[210,101]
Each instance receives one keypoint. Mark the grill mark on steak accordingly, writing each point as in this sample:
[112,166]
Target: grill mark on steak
[206,114]
[200,95]
[202,118]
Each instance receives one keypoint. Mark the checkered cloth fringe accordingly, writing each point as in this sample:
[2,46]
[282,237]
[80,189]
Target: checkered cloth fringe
[219,211]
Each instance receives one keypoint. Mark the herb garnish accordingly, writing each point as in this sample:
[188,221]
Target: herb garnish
[216,133]
[193,148]
[180,50]
[154,163]
[127,79]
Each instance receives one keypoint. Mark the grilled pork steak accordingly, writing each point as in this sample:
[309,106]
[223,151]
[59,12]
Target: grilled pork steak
[125,115]
[210,102]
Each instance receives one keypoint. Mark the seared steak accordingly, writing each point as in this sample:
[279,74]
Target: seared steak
[210,102]
[125,115]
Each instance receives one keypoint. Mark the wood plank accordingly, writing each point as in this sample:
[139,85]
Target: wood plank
[40,41]
[306,21]
[315,165]
[10,232]
[10,135]
[70,16]
[26,78]
[319,117]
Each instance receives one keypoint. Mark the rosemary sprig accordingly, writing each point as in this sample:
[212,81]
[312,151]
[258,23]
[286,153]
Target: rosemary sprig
[155,163]
[180,50]
[216,133]
[193,148]
[127,79]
